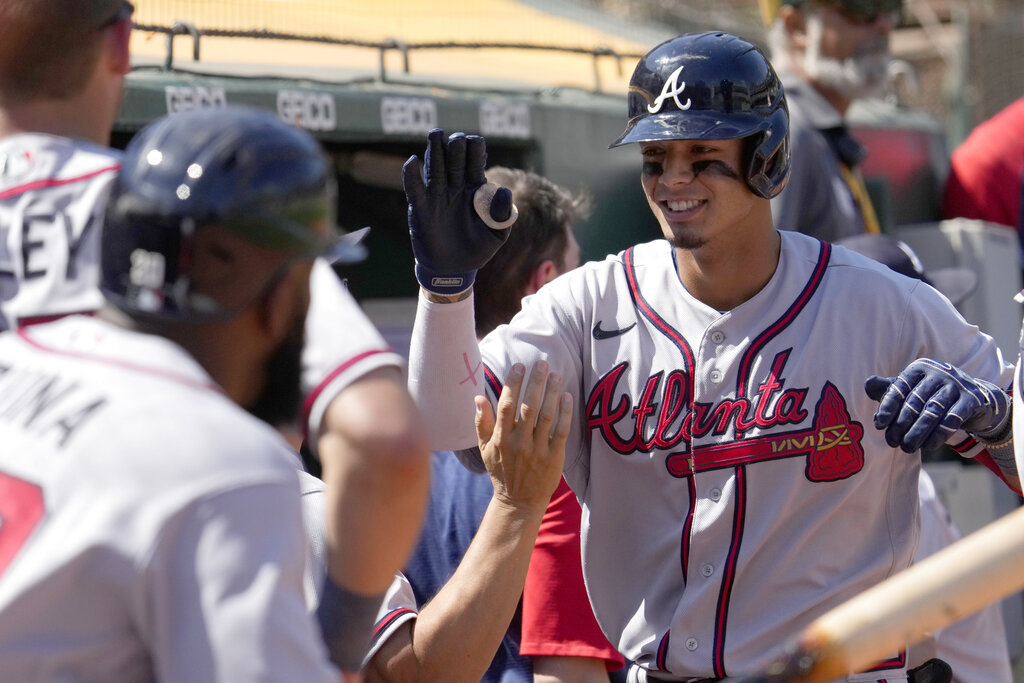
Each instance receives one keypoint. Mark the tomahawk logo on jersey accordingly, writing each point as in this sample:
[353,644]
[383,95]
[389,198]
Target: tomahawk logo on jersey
[52,193]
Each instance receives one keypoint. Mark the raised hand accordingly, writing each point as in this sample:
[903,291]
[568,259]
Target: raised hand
[930,400]
[524,451]
[456,220]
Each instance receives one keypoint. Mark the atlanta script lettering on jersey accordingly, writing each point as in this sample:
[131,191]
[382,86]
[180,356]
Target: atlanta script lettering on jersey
[832,445]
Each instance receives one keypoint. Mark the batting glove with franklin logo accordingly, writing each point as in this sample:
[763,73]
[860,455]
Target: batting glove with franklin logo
[457,221]
[930,400]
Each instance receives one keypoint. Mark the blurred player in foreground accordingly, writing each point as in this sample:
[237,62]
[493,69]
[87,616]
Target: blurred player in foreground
[61,84]
[152,527]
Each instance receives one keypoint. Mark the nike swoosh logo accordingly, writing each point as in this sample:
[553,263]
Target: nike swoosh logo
[608,334]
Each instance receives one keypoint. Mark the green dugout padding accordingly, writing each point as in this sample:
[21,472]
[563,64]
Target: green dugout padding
[370,127]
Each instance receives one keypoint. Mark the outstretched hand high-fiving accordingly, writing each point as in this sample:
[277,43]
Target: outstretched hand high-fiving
[524,449]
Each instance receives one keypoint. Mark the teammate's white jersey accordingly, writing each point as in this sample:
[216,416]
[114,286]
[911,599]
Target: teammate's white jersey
[52,194]
[732,482]
[342,345]
[399,604]
[151,529]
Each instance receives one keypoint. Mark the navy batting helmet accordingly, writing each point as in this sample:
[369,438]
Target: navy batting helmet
[239,169]
[713,86]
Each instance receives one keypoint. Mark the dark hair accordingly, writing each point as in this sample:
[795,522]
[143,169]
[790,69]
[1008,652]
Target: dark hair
[48,48]
[546,215]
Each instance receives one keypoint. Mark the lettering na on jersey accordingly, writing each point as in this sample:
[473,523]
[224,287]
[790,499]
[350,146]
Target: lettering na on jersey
[46,405]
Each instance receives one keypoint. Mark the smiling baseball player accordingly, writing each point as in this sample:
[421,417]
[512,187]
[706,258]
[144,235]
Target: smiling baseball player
[734,477]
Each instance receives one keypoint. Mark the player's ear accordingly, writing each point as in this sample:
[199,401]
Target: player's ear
[286,299]
[544,273]
[118,38]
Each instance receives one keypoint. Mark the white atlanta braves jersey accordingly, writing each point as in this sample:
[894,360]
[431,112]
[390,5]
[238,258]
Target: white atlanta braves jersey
[151,529]
[732,483]
[52,192]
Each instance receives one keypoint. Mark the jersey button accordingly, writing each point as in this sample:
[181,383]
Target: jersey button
[715,376]
[707,570]
[717,336]
[691,644]
[716,495]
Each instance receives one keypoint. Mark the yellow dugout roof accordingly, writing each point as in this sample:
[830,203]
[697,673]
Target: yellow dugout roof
[411,21]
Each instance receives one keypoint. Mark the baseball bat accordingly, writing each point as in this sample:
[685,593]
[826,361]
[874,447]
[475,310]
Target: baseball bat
[960,579]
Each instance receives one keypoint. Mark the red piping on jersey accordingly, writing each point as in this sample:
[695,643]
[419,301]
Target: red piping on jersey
[897,661]
[984,457]
[684,543]
[389,619]
[180,379]
[641,304]
[729,571]
[648,312]
[55,182]
[40,319]
[307,405]
[662,652]
[824,254]
[492,381]
[740,511]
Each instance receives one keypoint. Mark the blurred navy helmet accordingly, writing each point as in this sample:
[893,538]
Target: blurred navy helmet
[242,170]
[713,86]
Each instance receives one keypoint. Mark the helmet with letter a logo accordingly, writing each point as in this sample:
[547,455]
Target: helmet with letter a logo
[713,86]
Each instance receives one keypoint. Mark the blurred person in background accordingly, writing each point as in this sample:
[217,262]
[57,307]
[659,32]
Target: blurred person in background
[828,53]
[986,172]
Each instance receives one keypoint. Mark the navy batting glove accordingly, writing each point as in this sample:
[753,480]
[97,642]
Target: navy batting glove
[454,229]
[930,400]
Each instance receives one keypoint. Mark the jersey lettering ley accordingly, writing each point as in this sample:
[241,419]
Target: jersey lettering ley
[665,418]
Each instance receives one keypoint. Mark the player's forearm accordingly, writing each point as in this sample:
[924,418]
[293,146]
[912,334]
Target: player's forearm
[445,370]
[457,633]
[376,467]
